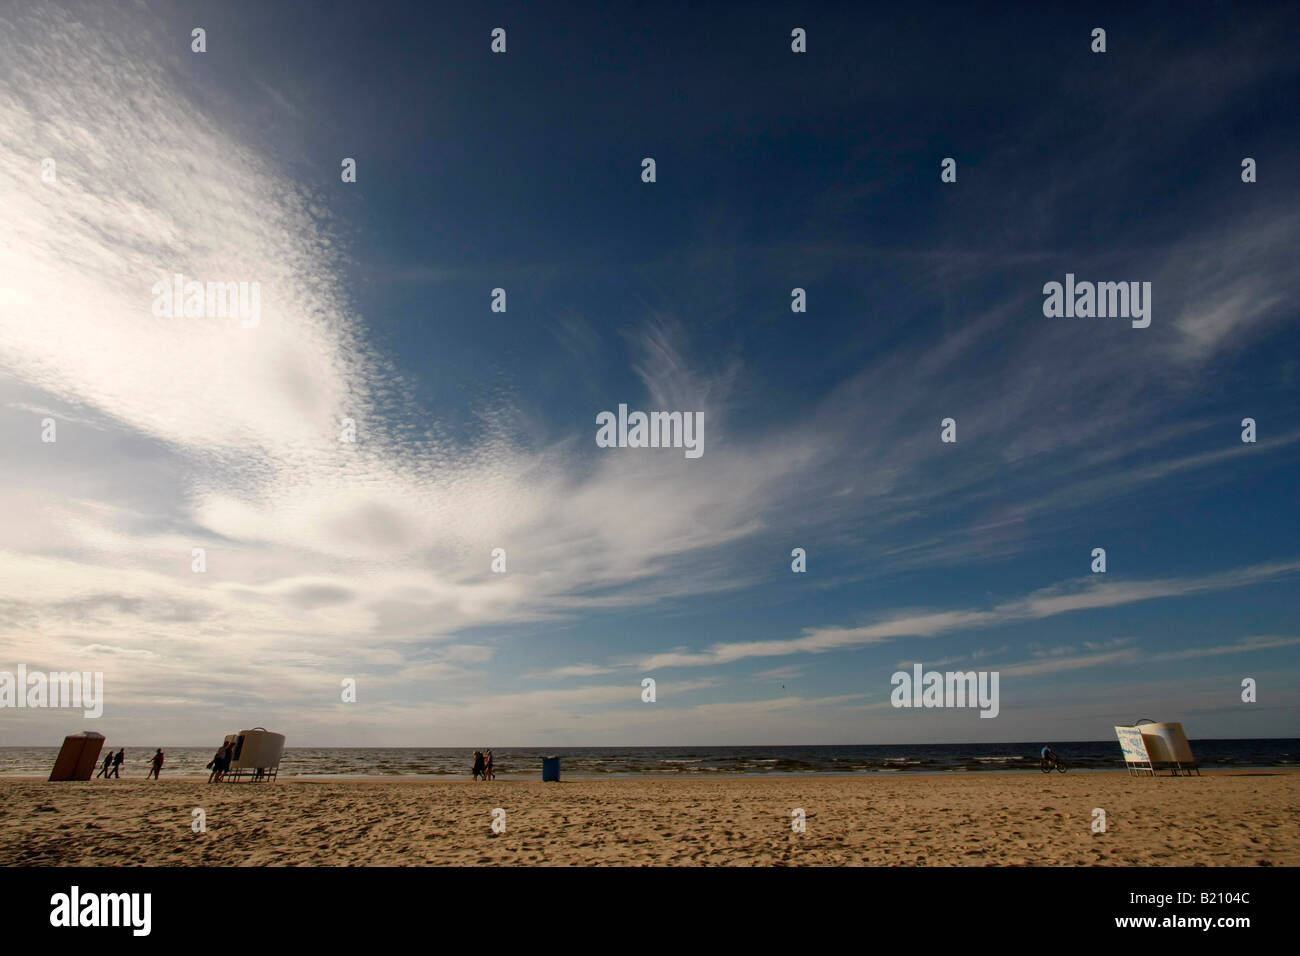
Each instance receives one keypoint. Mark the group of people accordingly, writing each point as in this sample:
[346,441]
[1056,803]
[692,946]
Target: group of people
[113,761]
[483,765]
[113,764]
[220,762]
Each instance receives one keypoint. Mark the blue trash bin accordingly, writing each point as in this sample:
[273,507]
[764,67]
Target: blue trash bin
[550,769]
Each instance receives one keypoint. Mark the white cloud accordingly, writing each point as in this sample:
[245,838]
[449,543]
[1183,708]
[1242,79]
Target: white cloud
[1078,595]
[323,558]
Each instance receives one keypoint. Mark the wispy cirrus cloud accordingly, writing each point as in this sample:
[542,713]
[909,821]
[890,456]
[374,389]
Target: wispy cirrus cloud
[322,557]
[1082,594]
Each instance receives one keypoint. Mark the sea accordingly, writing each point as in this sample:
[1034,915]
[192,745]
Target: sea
[597,762]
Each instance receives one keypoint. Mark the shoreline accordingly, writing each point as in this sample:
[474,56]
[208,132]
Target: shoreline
[503,777]
[670,775]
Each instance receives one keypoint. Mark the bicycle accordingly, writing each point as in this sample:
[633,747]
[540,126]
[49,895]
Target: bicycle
[1047,765]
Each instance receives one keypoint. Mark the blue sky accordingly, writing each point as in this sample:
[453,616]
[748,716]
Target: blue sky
[476,429]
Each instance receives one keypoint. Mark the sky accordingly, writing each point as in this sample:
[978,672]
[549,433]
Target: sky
[370,561]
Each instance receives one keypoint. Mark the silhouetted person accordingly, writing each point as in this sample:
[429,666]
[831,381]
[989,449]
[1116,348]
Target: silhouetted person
[227,758]
[117,763]
[488,773]
[215,764]
[156,764]
[479,765]
[108,762]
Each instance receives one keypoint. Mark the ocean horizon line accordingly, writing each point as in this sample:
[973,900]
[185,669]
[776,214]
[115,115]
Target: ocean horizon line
[480,746]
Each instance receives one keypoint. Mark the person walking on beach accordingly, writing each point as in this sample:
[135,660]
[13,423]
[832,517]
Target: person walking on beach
[108,762]
[117,763]
[227,758]
[479,766]
[488,773]
[156,764]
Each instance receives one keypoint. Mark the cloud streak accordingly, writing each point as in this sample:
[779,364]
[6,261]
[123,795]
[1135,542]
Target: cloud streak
[1083,594]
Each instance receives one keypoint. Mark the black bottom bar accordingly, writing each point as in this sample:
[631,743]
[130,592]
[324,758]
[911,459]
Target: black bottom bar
[332,906]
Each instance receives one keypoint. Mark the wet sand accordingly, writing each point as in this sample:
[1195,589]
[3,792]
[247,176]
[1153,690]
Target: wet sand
[1235,818]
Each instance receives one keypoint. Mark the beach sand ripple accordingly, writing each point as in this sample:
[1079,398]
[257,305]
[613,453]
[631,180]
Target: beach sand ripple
[1222,818]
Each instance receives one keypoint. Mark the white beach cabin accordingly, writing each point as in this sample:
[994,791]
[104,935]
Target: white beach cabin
[1150,747]
[256,755]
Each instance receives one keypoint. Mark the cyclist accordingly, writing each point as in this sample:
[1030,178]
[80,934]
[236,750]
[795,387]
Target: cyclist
[1048,756]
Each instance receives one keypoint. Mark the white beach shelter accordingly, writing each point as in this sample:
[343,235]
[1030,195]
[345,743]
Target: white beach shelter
[1169,749]
[257,754]
[1134,748]
[1149,746]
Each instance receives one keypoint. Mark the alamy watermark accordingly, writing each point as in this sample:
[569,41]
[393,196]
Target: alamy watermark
[54,690]
[654,430]
[208,300]
[951,689]
[129,910]
[1101,300]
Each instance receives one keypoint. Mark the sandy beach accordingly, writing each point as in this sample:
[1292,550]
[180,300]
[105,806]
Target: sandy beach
[1219,819]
